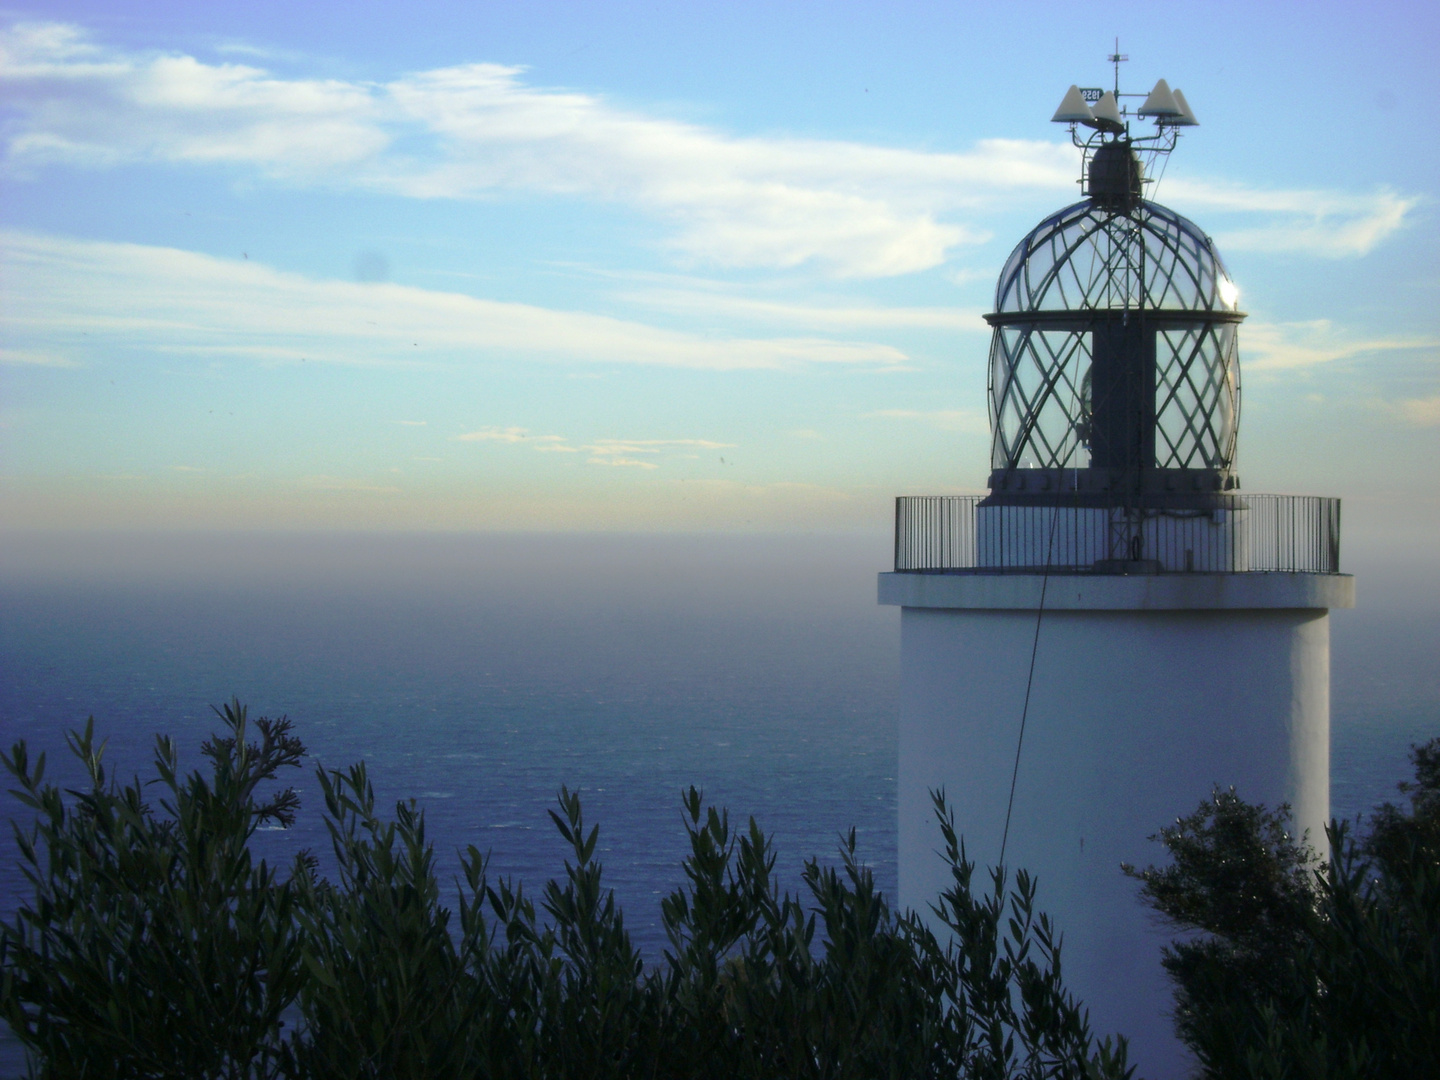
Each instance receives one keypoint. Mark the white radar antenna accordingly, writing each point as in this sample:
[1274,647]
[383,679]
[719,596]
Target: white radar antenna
[1108,116]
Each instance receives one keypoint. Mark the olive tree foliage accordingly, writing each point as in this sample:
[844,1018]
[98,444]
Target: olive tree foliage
[156,946]
[1295,966]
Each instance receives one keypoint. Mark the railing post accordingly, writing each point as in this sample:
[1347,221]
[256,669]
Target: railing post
[897,565]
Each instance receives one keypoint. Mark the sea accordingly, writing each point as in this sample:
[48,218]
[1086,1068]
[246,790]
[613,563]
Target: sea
[480,673]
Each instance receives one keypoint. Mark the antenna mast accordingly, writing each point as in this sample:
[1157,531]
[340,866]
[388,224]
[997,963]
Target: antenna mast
[1117,58]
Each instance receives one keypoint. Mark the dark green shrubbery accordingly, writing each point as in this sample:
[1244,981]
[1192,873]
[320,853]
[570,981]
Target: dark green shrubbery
[1298,967]
[155,946]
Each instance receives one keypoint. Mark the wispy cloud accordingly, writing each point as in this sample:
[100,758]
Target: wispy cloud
[1421,412]
[79,102]
[166,300]
[473,130]
[505,435]
[621,462]
[729,304]
[1299,345]
[653,446]
[554,443]
[628,452]
[1307,221]
[36,357]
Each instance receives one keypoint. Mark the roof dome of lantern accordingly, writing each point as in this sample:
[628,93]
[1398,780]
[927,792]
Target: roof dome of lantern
[1080,258]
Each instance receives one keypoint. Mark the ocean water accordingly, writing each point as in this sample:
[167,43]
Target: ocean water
[479,673]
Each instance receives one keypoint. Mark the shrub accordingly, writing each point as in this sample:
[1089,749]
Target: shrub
[155,946]
[1298,967]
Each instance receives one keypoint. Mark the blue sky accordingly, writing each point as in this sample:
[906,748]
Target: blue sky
[605,266]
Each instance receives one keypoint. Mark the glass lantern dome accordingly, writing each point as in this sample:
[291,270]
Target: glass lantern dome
[1114,366]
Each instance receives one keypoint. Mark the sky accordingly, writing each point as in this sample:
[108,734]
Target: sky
[660,267]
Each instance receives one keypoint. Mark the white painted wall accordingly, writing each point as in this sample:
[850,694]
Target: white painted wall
[1134,716]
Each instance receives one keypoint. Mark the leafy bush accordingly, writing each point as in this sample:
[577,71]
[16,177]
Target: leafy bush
[155,946]
[1298,967]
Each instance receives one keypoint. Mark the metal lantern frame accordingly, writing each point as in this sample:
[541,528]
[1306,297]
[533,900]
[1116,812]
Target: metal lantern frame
[1089,267]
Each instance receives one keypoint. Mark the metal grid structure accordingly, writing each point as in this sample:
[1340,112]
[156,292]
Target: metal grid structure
[1253,534]
[1087,265]
[1197,399]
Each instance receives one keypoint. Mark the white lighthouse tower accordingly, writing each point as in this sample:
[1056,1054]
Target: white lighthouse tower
[1116,628]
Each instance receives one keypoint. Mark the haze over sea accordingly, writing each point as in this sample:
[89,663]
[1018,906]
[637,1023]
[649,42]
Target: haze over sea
[478,673]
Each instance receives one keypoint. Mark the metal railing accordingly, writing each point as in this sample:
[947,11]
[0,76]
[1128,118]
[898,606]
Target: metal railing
[1254,533]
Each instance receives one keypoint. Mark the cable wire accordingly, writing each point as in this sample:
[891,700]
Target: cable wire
[1035,642]
[1029,681]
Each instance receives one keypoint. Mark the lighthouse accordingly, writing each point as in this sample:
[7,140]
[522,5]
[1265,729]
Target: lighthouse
[1117,627]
